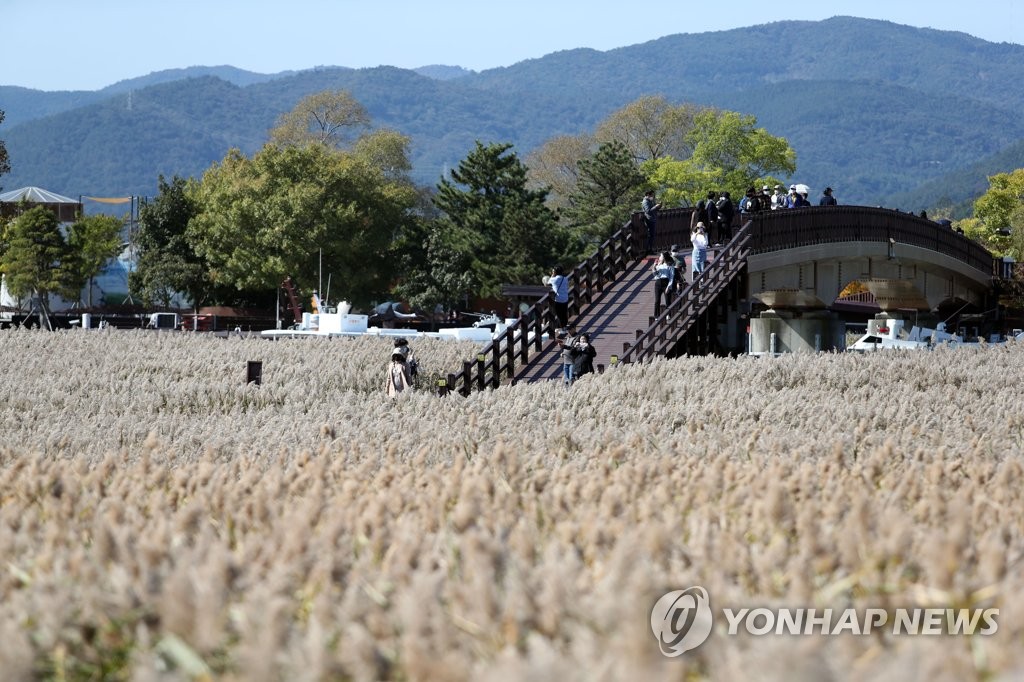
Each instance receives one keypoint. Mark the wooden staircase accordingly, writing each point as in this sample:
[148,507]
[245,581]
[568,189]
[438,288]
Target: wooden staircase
[612,300]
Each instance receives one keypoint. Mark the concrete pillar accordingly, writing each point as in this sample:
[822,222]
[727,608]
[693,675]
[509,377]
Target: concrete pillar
[796,331]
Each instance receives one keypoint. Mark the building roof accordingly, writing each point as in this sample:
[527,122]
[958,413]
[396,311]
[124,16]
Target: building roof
[36,195]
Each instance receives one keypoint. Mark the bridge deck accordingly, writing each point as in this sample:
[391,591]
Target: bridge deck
[611,321]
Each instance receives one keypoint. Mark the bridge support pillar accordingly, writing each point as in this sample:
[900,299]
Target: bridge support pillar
[796,331]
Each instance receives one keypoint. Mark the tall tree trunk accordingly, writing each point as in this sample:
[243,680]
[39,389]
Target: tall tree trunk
[44,310]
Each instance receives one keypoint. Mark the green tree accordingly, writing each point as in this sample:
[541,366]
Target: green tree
[283,211]
[93,241]
[37,261]
[166,263]
[5,161]
[998,222]
[329,118]
[729,153]
[610,188]
[494,229]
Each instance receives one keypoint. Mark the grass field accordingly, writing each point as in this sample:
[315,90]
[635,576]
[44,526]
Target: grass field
[160,519]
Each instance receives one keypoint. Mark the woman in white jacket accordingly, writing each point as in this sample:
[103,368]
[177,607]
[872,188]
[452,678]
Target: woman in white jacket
[699,239]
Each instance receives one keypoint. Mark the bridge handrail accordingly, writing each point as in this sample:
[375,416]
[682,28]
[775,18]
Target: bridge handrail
[512,347]
[678,316]
[776,230]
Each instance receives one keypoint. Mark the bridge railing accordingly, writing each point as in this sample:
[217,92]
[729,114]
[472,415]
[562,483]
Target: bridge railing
[680,315]
[511,349]
[776,230]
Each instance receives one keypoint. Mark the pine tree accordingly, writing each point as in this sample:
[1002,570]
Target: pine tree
[494,230]
[610,188]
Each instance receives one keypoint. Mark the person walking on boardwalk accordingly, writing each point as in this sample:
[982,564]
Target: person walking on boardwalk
[664,271]
[699,257]
[650,208]
[827,199]
[559,285]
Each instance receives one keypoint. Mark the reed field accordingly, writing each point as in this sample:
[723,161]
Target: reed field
[161,519]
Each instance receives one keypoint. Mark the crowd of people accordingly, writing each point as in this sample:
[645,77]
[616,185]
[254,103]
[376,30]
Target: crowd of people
[711,225]
[713,217]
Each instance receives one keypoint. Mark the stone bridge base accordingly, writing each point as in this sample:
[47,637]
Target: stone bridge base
[793,331]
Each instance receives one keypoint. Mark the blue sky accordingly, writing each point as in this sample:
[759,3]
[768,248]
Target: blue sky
[86,45]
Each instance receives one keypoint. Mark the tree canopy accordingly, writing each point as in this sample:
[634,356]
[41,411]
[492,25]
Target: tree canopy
[998,221]
[167,264]
[651,128]
[36,259]
[609,189]
[330,118]
[729,153]
[287,209]
[555,166]
[92,240]
[493,230]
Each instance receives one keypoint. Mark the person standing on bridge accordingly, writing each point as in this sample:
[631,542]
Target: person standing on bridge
[725,216]
[664,270]
[827,199]
[650,208]
[559,285]
[699,239]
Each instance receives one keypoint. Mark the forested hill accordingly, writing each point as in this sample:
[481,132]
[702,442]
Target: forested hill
[881,112]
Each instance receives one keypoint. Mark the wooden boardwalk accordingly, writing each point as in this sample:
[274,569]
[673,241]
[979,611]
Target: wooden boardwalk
[612,320]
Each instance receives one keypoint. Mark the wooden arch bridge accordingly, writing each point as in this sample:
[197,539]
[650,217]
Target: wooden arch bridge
[795,258]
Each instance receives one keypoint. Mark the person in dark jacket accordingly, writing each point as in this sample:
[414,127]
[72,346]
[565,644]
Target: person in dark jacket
[584,362]
[726,212]
[827,199]
[650,207]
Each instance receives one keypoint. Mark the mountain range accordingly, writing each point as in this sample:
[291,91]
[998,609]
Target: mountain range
[884,113]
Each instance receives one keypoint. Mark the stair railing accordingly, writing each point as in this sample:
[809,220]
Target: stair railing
[698,296]
[512,349]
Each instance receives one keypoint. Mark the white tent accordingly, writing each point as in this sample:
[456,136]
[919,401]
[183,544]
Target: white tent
[67,209]
[36,195]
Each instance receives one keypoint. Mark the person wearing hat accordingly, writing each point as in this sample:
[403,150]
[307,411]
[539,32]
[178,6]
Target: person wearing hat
[699,239]
[778,198]
[827,199]
[398,379]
